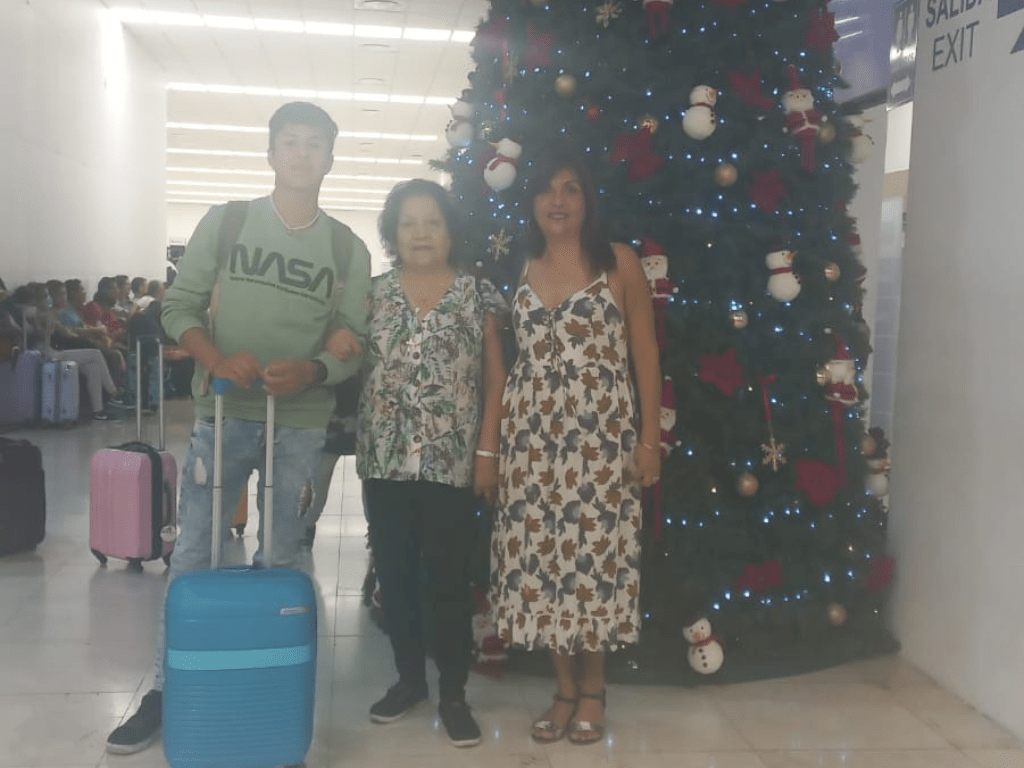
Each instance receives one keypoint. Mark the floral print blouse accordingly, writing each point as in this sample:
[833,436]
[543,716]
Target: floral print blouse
[422,396]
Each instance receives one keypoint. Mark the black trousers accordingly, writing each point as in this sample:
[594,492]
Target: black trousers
[422,537]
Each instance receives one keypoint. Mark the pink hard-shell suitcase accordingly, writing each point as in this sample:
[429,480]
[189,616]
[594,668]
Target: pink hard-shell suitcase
[133,496]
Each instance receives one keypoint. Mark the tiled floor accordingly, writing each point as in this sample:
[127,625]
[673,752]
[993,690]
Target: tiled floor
[75,657]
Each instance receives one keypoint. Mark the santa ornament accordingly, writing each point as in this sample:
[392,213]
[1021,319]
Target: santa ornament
[783,285]
[460,130]
[668,441]
[500,171]
[655,264]
[699,122]
[802,121]
[841,375]
[657,15]
[489,650]
[706,655]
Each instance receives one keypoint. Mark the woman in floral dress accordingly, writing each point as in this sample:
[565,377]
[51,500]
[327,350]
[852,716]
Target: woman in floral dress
[427,441]
[574,454]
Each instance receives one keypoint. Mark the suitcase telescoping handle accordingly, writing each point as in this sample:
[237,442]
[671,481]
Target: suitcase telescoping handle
[138,388]
[220,386]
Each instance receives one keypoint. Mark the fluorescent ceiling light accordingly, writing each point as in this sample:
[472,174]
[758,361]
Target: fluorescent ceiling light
[229,22]
[380,33]
[291,26]
[241,153]
[280,25]
[342,134]
[418,33]
[329,28]
[257,90]
[246,172]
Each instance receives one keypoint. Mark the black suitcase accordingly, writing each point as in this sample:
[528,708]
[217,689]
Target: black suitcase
[22,496]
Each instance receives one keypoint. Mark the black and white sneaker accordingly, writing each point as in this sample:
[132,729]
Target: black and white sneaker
[459,723]
[141,729]
[397,702]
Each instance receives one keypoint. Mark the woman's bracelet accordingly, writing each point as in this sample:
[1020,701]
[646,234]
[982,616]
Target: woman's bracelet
[650,448]
[486,454]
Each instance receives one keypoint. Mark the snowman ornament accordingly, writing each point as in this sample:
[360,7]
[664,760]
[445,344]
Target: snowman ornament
[500,171]
[460,130]
[700,122]
[706,655]
[803,122]
[876,481]
[783,285]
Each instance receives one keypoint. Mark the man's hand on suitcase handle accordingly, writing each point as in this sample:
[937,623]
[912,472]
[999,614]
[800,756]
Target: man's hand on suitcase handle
[242,368]
[282,377]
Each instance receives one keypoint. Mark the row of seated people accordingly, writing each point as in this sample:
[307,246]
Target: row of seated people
[55,319]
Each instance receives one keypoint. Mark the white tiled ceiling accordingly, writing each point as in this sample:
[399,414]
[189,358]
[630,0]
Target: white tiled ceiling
[361,65]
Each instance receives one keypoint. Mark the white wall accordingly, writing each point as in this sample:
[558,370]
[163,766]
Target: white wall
[956,524]
[82,140]
[182,220]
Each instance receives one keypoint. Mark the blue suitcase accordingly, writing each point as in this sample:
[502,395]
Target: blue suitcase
[240,659]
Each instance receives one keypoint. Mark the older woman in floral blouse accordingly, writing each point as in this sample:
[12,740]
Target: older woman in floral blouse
[427,443]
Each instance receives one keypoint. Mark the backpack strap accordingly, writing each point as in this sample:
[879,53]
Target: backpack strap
[341,250]
[235,212]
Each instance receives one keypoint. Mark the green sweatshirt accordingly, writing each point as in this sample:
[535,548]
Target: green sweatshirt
[276,300]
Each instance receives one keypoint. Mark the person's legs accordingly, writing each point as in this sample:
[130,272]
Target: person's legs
[395,537]
[587,725]
[448,535]
[295,456]
[192,549]
[552,724]
[321,487]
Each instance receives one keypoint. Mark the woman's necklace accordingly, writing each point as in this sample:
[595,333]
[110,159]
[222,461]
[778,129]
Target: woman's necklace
[309,224]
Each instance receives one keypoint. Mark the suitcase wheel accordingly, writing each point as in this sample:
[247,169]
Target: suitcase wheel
[239,530]
[167,560]
[135,565]
[100,556]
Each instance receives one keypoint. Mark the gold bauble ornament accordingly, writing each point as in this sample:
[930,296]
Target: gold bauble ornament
[747,484]
[827,134]
[565,85]
[868,446]
[739,320]
[837,615]
[726,175]
[832,272]
[823,377]
[650,122]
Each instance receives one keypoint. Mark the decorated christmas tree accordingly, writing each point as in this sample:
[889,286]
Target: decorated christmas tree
[722,156]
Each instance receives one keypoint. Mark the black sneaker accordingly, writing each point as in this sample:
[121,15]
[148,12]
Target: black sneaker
[459,723]
[400,698]
[141,729]
[100,416]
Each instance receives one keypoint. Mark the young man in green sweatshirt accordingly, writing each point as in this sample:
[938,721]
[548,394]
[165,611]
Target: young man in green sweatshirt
[273,302]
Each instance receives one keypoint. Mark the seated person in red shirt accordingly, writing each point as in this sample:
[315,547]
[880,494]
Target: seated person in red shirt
[100,311]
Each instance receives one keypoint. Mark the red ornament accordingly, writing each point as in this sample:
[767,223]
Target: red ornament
[592,112]
[821,32]
[881,575]
[748,88]
[767,190]
[636,148]
[760,578]
[538,49]
[722,371]
[818,480]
